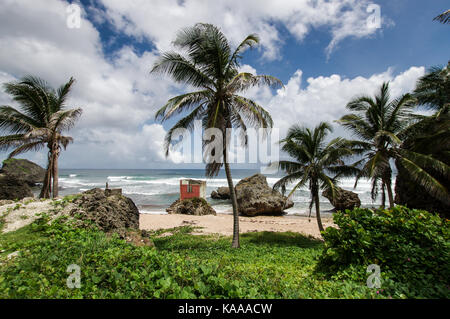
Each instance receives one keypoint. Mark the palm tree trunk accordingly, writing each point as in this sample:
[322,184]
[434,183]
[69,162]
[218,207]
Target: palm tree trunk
[46,188]
[319,220]
[235,242]
[317,204]
[390,195]
[387,176]
[383,196]
[55,171]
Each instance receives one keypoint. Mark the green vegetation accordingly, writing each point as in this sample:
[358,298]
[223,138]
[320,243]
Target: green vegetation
[412,247]
[16,163]
[269,265]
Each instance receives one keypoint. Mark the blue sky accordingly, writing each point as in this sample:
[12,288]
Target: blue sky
[112,52]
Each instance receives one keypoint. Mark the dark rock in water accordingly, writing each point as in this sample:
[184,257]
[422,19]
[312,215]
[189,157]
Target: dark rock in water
[221,193]
[343,199]
[110,212]
[256,197]
[12,189]
[23,170]
[191,206]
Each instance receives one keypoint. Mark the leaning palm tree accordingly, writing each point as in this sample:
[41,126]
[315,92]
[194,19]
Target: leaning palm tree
[39,121]
[443,17]
[206,62]
[314,161]
[379,123]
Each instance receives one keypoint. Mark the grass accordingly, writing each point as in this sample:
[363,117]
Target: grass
[269,265]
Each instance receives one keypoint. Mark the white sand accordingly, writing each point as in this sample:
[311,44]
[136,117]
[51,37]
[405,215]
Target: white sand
[223,223]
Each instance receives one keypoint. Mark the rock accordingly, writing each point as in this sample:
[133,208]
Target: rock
[110,212]
[256,197]
[12,189]
[191,206]
[221,193]
[343,199]
[23,170]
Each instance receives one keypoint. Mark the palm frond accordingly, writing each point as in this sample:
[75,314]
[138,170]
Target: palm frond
[428,182]
[443,17]
[181,70]
[244,81]
[33,146]
[186,122]
[181,103]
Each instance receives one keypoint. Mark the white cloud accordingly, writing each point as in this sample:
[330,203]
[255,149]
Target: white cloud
[324,98]
[159,20]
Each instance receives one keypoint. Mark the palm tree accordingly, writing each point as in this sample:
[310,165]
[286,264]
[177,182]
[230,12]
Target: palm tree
[38,121]
[314,161]
[429,135]
[380,123]
[443,17]
[208,64]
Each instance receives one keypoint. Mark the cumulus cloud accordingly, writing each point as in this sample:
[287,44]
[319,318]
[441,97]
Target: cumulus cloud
[324,98]
[159,20]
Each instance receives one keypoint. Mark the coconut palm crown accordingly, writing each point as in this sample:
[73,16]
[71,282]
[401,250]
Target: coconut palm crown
[206,62]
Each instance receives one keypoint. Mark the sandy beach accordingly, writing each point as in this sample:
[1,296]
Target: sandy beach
[223,223]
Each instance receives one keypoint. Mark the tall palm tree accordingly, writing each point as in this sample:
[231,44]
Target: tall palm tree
[444,17]
[380,123]
[39,121]
[314,161]
[207,63]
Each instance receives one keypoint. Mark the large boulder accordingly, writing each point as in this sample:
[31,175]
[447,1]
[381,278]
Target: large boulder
[256,197]
[191,206]
[110,211]
[12,189]
[23,170]
[343,199]
[221,193]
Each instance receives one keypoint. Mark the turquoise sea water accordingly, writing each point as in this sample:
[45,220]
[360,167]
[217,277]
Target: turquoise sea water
[154,190]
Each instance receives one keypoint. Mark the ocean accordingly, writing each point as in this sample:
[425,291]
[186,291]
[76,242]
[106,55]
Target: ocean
[153,190]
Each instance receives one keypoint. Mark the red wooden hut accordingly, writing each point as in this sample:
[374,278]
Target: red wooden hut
[190,188]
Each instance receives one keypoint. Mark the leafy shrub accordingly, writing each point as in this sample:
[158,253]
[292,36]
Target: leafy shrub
[410,246]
